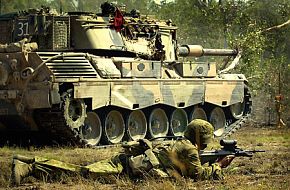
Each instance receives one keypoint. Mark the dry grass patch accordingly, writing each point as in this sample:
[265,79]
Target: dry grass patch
[270,170]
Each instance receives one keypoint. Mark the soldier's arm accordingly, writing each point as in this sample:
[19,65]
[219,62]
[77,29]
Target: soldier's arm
[194,168]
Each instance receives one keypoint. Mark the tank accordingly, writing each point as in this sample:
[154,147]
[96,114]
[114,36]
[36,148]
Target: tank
[97,79]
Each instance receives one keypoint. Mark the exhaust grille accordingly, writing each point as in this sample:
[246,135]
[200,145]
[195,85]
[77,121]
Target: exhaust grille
[69,65]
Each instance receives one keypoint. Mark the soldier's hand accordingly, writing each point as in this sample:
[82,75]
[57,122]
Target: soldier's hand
[225,161]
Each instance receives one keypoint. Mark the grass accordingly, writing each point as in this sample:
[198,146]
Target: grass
[270,170]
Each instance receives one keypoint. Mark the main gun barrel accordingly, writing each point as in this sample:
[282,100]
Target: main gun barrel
[198,51]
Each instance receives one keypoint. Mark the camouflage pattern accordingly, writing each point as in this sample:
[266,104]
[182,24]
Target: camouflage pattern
[199,131]
[182,156]
[19,46]
[103,167]
[178,158]
[45,168]
[182,159]
[105,74]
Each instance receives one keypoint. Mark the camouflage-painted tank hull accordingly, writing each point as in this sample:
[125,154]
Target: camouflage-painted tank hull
[75,104]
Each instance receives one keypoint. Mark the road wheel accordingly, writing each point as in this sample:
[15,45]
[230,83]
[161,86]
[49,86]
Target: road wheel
[91,131]
[158,123]
[198,113]
[237,110]
[136,125]
[178,122]
[114,128]
[218,120]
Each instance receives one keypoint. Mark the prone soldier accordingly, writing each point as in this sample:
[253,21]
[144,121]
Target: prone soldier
[179,158]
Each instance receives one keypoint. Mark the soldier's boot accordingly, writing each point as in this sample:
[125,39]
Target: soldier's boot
[20,170]
[125,163]
[25,159]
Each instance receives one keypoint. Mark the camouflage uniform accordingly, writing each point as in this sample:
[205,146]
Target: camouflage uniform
[178,158]
[182,155]
[182,158]
[49,168]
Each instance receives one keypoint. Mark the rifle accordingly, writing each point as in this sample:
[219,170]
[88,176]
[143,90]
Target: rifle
[140,146]
[228,148]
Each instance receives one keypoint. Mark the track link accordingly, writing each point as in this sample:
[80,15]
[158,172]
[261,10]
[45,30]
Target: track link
[232,128]
[235,126]
[53,123]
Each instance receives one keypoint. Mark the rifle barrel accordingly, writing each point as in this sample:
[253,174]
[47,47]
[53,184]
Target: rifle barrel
[254,151]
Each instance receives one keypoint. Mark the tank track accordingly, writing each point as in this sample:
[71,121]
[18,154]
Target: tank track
[235,126]
[54,124]
[228,132]
[232,128]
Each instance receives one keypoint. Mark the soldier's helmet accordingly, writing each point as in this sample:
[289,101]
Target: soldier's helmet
[199,132]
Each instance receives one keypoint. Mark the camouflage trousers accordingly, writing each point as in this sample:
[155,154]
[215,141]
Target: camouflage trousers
[44,168]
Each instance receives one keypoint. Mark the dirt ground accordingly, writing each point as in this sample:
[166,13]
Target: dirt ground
[269,170]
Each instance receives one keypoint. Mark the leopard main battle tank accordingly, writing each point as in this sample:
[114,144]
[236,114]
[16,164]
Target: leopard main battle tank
[89,79]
